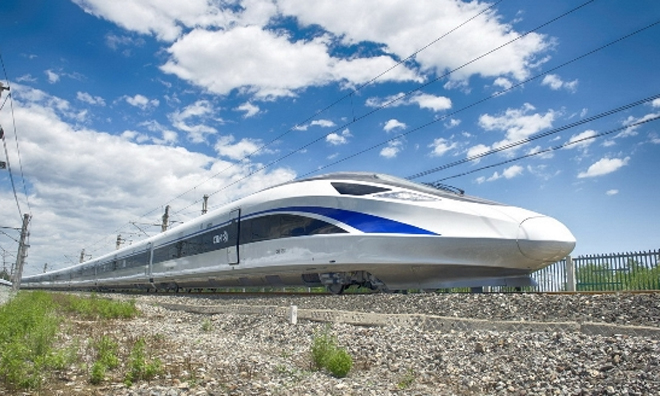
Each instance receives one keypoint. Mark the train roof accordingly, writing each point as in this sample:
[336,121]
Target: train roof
[438,189]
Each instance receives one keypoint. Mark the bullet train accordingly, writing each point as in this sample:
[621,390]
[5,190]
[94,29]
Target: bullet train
[335,230]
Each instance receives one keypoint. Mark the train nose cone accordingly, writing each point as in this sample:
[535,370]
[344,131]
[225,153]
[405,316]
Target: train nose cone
[544,239]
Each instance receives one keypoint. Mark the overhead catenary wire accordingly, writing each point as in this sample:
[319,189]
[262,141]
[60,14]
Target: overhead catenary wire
[296,126]
[520,142]
[331,105]
[390,103]
[18,152]
[553,148]
[480,101]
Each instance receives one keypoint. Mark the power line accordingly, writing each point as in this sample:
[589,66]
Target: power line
[328,107]
[478,102]
[554,148]
[533,137]
[391,102]
[18,152]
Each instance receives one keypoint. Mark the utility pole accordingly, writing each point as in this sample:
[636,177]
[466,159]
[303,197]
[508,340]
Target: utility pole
[166,219]
[84,256]
[22,253]
[120,240]
[45,267]
[205,205]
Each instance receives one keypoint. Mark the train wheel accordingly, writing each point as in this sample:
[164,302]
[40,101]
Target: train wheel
[336,289]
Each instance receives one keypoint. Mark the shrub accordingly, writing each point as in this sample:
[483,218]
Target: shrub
[326,355]
[339,363]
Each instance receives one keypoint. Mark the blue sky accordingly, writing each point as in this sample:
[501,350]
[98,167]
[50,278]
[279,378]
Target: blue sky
[122,107]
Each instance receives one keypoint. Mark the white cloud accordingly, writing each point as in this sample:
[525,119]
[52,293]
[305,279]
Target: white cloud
[656,102]
[141,101]
[424,101]
[52,76]
[556,83]
[226,147]
[440,146]
[654,138]
[477,150]
[192,120]
[580,136]
[404,27]
[249,109]
[337,139]
[393,124]
[604,166]
[432,102]
[26,78]
[453,122]
[87,98]
[322,123]
[508,173]
[267,64]
[503,83]
[518,124]
[394,147]
[80,193]
[612,192]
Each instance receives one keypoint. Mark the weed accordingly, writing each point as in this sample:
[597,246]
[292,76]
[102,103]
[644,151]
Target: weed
[326,355]
[138,366]
[206,325]
[98,373]
[407,380]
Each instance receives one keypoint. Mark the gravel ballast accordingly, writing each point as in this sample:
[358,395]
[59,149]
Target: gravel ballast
[239,354]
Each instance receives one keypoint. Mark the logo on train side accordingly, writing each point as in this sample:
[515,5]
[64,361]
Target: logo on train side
[221,238]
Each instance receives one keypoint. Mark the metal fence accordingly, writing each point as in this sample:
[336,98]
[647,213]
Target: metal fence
[602,272]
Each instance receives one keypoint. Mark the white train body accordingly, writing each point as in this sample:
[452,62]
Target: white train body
[335,230]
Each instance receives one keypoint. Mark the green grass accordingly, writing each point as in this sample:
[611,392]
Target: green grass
[29,324]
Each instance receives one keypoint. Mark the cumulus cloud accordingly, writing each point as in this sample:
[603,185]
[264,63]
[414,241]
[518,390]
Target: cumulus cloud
[393,148]
[612,192]
[89,194]
[604,166]
[508,173]
[141,101]
[517,124]
[424,101]
[265,63]
[192,120]
[210,41]
[440,146]
[87,98]
[52,76]
[337,139]
[227,146]
[556,83]
[581,140]
[393,124]
[249,109]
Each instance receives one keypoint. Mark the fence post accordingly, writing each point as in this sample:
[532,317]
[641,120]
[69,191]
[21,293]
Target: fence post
[570,274]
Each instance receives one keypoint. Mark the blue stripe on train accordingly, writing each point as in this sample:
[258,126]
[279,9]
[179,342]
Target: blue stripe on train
[364,222]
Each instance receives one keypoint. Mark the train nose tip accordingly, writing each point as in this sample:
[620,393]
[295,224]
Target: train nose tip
[545,239]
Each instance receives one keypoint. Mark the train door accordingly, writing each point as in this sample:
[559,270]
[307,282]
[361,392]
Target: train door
[150,255]
[234,230]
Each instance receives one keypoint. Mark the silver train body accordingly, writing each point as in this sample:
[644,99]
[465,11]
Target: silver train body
[335,230]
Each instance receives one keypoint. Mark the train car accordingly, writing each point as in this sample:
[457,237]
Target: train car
[335,230]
